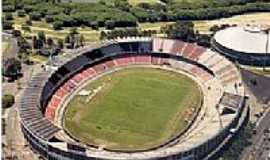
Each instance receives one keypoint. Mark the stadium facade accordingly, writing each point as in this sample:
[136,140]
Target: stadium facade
[247,45]
[222,113]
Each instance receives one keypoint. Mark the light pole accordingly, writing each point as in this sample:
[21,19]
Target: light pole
[266,46]
[219,114]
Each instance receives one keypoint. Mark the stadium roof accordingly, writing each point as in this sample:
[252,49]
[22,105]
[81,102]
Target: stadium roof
[249,39]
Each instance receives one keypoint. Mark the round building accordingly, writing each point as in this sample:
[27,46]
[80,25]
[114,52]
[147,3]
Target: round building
[247,45]
[219,116]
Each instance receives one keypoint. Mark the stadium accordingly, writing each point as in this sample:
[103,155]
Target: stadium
[247,45]
[213,118]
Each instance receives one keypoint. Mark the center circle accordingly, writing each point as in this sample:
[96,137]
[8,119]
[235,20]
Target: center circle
[132,108]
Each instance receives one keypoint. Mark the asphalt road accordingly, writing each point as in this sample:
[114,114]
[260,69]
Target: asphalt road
[259,85]
[259,88]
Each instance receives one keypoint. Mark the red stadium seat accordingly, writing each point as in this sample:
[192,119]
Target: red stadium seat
[78,78]
[49,114]
[155,60]
[85,74]
[99,68]
[110,64]
[164,61]
[124,61]
[54,102]
[188,49]
[91,71]
[177,47]
[60,93]
[197,53]
[143,60]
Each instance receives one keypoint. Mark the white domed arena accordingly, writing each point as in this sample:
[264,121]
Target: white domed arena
[247,45]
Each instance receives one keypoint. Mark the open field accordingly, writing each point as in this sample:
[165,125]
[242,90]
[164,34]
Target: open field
[153,26]
[134,109]
[256,18]
[38,58]
[90,35]
[205,25]
[136,2]
[132,2]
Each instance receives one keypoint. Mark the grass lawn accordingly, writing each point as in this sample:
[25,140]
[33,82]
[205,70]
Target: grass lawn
[5,46]
[153,26]
[90,35]
[136,109]
[265,72]
[38,58]
[136,2]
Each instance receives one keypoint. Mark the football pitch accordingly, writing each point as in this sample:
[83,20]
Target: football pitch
[133,109]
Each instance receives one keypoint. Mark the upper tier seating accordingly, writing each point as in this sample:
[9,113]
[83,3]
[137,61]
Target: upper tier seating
[30,114]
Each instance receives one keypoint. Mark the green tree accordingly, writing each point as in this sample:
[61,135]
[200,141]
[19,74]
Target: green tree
[94,25]
[23,44]
[82,40]
[73,31]
[8,8]
[42,36]
[203,40]
[110,24]
[35,42]
[11,67]
[57,25]
[8,100]
[214,28]
[35,16]
[16,33]
[72,41]
[49,19]
[7,25]
[28,22]
[21,13]
[122,5]
[183,30]
[60,44]
[26,28]
[50,42]
[8,16]
[28,8]
[67,39]
[103,35]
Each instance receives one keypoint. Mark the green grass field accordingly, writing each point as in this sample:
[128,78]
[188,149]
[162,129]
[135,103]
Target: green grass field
[136,109]
[37,26]
[136,2]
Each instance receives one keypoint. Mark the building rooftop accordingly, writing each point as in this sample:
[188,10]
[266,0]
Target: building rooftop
[248,39]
